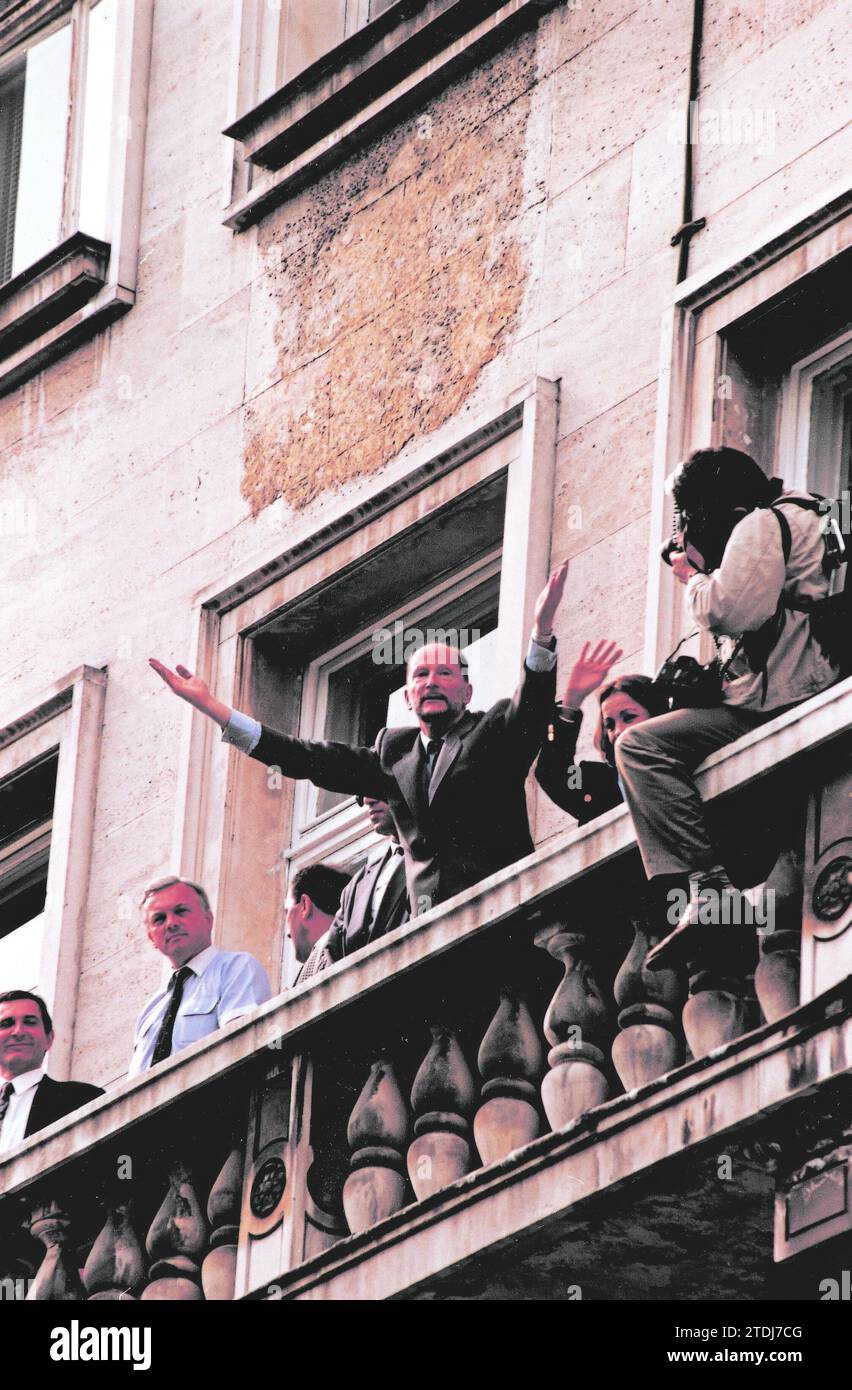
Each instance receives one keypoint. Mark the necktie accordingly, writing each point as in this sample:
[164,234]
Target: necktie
[433,749]
[5,1096]
[163,1045]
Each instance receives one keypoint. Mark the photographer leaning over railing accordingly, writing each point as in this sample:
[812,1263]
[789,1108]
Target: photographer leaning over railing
[757,563]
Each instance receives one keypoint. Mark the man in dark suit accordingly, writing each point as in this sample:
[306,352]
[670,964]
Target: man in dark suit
[374,901]
[454,784]
[29,1100]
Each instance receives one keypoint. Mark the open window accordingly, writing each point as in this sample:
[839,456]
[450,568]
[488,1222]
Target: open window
[314,642]
[73,79]
[761,359]
[26,822]
[49,758]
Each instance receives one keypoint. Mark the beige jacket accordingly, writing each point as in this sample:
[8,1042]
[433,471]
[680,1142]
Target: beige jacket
[743,593]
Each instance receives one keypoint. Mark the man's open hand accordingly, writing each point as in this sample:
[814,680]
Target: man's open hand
[548,601]
[192,689]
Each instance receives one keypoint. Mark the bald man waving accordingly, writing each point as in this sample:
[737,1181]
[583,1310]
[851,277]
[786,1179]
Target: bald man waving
[454,784]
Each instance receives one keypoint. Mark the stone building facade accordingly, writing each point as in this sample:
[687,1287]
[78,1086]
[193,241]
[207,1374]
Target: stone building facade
[412,330]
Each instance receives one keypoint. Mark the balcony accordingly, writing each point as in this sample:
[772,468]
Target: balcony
[496,1100]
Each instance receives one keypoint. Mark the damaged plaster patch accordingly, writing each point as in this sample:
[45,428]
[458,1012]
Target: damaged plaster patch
[386,315]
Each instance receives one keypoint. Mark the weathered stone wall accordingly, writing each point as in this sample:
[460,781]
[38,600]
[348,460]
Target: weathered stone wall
[518,224]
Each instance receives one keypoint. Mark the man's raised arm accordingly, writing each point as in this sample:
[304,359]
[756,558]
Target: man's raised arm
[337,767]
[532,707]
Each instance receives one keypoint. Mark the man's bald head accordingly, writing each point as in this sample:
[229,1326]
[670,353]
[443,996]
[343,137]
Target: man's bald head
[437,688]
[437,652]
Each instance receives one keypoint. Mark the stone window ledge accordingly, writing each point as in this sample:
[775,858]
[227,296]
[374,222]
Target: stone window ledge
[51,289]
[366,81]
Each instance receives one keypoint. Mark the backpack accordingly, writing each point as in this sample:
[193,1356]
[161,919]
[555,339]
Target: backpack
[830,617]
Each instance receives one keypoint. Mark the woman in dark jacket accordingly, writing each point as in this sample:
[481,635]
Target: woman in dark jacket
[586,789]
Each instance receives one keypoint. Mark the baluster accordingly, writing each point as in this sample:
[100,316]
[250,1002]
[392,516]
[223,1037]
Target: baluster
[576,1026]
[776,979]
[442,1098]
[377,1135]
[649,1002]
[511,1060]
[219,1270]
[718,1007]
[115,1268]
[175,1241]
[58,1278]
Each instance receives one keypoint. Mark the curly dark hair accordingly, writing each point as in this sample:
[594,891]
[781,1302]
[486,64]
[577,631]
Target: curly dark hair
[721,480]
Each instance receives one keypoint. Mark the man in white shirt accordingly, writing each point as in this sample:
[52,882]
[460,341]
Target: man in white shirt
[207,988]
[29,1100]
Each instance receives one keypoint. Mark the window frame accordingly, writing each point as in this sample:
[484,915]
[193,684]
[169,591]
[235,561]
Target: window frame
[693,364]
[220,834]
[68,716]
[25,855]
[82,283]
[813,434]
[384,67]
[311,828]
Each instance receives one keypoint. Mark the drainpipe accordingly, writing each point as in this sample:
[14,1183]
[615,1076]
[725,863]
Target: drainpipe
[689,224]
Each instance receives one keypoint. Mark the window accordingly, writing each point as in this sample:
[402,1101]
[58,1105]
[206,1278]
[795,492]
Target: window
[460,541]
[26,814]
[48,775]
[73,76]
[816,421]
[39,204]
[298,32]
[314,77]
[761,359]
[357,689]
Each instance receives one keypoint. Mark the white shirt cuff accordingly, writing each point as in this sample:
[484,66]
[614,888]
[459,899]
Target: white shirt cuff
[242,731]
[539,657]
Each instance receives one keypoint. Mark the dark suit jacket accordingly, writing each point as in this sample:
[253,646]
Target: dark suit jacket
[354,926]
[556,773]
[475,821]
[53,1099]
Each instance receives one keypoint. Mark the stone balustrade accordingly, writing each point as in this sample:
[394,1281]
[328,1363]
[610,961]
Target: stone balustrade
[271,1142]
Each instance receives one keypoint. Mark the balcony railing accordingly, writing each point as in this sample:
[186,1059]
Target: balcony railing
[499,1064]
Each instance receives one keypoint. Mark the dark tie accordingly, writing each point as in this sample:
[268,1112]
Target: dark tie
[427,767]
[378,926]
[163,1045]
[5,1096]
[433,749]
